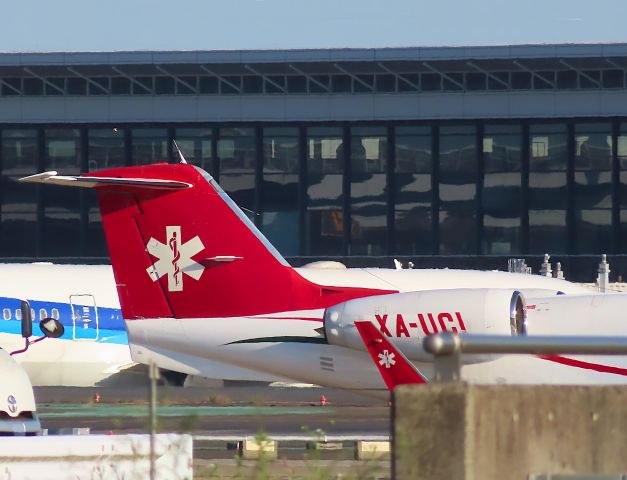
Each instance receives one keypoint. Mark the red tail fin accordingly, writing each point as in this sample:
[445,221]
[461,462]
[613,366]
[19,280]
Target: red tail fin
[392,364]
[181,248]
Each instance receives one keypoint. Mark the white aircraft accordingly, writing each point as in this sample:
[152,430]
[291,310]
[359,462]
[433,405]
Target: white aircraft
[197,280]
[93,349]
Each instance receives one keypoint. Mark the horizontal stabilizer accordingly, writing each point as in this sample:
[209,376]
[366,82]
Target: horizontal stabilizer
[52,178]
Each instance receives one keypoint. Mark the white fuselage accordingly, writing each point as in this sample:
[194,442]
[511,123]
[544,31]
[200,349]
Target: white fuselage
[288,343]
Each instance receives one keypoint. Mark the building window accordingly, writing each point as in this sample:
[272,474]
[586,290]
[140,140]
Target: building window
[413,193]
[548,194]
[458,190]
[62,222]
[19,201]
[502,189]
[150,145]
[196,145]
[325,175]
[368,191]
[237,154]
[593,188]
[279,212]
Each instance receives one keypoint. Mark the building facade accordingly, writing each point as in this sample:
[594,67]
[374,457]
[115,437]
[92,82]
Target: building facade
[469,153]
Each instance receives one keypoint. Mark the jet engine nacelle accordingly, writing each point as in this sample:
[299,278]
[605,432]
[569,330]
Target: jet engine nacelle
[407,318]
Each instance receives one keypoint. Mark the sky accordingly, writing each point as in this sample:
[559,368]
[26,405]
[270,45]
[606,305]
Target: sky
[90,25]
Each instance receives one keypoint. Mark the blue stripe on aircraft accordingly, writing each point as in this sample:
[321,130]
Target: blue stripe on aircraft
[111,328]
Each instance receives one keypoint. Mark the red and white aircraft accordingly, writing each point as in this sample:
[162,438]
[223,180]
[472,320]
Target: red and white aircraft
[196,279]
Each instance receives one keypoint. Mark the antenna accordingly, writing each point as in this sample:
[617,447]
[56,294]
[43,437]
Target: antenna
[182,158]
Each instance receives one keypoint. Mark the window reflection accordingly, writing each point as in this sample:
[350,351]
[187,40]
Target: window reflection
[413,195]
[19,201]
[458,191]
[62,223]
[368,191]
[150,145]
[324,214]
[195,144]
[548,195]
[280,189]
[238,157]
[621,145]
[501,199]
[106,150]
[593,187]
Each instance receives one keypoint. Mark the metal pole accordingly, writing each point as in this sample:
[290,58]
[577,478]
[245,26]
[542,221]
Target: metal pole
[153,373]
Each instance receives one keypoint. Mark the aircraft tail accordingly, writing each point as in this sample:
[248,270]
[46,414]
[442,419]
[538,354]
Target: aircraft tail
[181,248]
[392,364]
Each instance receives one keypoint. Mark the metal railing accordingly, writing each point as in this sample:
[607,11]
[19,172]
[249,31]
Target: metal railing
[448,348]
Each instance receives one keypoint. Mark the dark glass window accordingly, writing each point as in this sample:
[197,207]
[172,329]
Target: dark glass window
[590,79]
[231,84]
[368,191]
[458,189]
[187,85]
[98,86]
[120,86]
[341,83]
[502,189]
[11,86]
[453,81]
[431,81]
[498,81]
[142,85]
[33,86]
[253,84]
[238,159]
[296,84]
[319,83]
[18,214]
[280,189]
[622,193]
[150,145]
[408,82]
[106,150]
[567,79]
[548,198]
[386,83]
[475,81]
[413,193]
[275,84]
[208,84]
[164,85]
[364,83]
[195,144]
[325,173]
[62,222]
[55,86]
[593,187]
[543,80]
[76,86]
[521,80]
[613,79]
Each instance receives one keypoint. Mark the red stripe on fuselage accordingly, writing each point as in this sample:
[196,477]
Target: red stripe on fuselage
[307,319]
[597,367]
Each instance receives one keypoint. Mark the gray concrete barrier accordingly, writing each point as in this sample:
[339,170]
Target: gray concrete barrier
[485,432]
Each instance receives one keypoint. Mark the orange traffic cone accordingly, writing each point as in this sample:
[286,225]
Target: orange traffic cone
[323,400]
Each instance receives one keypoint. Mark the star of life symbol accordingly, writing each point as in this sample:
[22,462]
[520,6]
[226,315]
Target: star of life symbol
[175,258]
[386,359]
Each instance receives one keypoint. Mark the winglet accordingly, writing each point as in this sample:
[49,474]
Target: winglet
[392,364]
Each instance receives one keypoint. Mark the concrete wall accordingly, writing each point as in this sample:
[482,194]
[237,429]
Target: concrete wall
[475,432]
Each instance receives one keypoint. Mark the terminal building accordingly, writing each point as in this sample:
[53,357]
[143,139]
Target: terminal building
[460,156]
